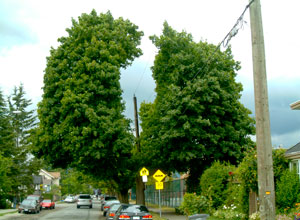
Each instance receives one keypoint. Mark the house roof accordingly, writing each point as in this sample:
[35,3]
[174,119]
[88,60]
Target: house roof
[56,175]
[293,150]
[52,175]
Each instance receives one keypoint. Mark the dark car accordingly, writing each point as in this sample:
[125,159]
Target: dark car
[105,199]
[111,212]
[132,212]
[108,204]
[29,206]
[38,198]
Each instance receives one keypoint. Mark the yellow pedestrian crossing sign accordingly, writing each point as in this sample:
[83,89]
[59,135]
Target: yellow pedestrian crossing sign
[159,185]
[144,172]
[159,176]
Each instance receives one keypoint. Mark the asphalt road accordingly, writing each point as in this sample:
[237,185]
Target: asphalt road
[62,212]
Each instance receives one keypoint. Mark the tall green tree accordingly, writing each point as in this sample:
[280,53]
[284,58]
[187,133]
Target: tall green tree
[6,151]
[81,113]
[196,117]
[23,120]
[7,146]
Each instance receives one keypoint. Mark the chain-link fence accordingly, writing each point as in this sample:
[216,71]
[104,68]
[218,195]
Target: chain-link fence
[171,195]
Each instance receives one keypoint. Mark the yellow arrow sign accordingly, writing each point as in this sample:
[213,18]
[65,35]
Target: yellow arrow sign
[159,185]
[144,172]
[159,176]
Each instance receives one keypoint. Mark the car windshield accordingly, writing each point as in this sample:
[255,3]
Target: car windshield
[46,200]
[110,198]
[84,197]
[28,202]
[33,197]
[134,208]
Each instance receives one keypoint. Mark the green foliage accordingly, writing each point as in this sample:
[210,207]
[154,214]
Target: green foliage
[229,213]
[81,114]
[7,144]
[280,163]
[247,172]
[23,121]
[75,182]
[287,190]
[193,204]
[235,195]
[214,183]
[16,168]
[197,117]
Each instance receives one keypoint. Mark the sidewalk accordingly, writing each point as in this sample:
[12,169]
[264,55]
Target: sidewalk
[170,215]
[4,211]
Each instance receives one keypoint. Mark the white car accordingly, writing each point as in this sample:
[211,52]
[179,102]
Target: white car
[69,199]
[84,200]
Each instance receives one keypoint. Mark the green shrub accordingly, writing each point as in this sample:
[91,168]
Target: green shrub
[214,183]
[193,204]
[229,213]
[287,191]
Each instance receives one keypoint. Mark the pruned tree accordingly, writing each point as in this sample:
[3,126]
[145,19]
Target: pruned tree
[81,113]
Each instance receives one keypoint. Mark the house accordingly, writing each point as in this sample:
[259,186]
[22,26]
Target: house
[294,155]
[49,179]
[294,152]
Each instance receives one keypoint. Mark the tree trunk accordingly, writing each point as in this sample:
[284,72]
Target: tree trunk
[140,188]
[123,196]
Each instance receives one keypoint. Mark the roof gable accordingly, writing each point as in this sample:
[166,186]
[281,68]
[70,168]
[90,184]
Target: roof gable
[294,149]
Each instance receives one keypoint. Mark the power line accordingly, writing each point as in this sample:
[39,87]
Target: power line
[142,75]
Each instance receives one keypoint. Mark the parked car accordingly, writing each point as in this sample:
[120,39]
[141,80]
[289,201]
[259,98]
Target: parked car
[48,204]
[132,212]
[111,212]
[70,199]
[29,206]
[84,200]
[105,199]
[108,204]
[38,198]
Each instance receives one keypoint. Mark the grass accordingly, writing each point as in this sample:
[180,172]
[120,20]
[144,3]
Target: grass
[12,212]
[156,216]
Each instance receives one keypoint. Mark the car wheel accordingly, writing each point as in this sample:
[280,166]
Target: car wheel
[53,207]
[19,211]
[38,211]
[78,206]
[91,206]
[104,213]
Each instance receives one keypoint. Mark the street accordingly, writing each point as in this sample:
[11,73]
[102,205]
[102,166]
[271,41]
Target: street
[65,211]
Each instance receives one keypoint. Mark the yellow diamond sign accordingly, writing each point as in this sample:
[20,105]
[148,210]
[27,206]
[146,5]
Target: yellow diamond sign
[159,176]
[144,172]
[159,185]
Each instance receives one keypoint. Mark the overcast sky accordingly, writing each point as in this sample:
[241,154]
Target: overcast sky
[28,28]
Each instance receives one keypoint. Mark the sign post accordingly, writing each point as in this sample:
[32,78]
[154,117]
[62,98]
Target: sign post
[159,176]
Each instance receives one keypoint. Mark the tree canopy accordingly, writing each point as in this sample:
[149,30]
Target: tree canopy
[81,113]
[196,117]
[17,165]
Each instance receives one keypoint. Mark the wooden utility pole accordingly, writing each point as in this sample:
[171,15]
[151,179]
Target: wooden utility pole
[140,187]
[263,134]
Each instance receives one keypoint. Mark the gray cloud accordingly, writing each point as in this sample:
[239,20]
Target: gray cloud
[285,123]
